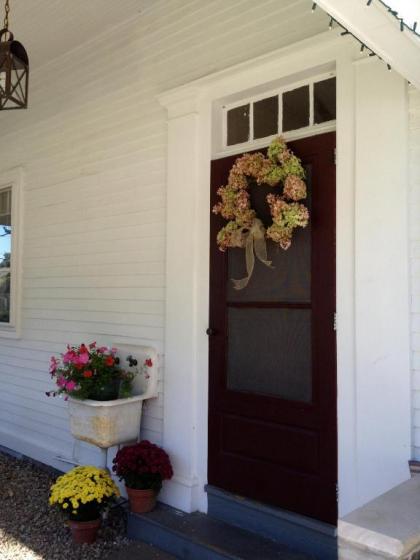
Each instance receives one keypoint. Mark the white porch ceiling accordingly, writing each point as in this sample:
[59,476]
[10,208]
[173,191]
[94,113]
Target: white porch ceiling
[50,28]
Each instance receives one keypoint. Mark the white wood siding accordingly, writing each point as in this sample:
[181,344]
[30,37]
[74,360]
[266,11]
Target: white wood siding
[414,175]
[93,147]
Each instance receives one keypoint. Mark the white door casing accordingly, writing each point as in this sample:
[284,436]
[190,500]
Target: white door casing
[372,353]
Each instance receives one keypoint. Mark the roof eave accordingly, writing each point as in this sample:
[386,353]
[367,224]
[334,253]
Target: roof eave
[379,31]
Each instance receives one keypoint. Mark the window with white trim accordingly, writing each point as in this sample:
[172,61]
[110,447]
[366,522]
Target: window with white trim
[300,109]
[5,252]
[10,212]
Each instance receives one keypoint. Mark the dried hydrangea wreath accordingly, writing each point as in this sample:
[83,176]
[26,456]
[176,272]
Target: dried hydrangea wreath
[244,229]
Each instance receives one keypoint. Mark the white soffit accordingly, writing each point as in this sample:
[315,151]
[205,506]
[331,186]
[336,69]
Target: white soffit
[380,31]
[50,29]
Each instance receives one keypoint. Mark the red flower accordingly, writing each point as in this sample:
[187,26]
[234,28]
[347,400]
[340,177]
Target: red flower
[148,362]
[83,349]
[87,373]
[142,459]
[109,361]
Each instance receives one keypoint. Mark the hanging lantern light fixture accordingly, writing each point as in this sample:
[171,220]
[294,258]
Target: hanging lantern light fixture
[14,69]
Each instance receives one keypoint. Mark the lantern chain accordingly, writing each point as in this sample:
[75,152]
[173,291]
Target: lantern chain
[6,15]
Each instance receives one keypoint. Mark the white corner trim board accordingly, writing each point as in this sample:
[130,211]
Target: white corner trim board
[363,367]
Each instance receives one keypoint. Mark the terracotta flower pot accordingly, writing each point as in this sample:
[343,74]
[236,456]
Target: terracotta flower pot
[141,501]
[84,532]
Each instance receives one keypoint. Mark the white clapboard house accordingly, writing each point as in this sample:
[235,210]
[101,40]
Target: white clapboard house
[290,407]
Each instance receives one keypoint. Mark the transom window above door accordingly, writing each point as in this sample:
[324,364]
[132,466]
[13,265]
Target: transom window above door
[297,110]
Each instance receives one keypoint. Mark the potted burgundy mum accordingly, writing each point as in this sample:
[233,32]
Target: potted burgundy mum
[143,466]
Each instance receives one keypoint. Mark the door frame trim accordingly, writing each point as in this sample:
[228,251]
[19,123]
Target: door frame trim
[190,129]
[190,126]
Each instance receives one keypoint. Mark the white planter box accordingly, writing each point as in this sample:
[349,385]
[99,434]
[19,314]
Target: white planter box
[106,423]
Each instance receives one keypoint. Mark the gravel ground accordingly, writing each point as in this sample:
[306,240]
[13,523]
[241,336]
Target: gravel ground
[31,530]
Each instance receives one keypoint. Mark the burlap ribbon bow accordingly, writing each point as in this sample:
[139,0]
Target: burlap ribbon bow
[253,239]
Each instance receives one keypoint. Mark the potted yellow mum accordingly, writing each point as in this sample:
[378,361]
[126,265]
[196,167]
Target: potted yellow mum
[82,494]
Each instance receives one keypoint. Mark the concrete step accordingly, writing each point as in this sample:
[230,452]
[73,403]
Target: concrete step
[295,531]
[196,536]
[387,528]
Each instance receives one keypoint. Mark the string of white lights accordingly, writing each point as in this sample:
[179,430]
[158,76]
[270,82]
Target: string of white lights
[402,23]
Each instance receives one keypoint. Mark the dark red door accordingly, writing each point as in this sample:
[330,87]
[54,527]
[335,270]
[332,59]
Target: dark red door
[272,391]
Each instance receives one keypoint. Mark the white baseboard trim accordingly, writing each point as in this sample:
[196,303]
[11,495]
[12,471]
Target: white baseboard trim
[36,449]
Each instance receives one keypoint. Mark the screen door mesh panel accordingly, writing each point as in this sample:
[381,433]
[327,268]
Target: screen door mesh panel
[269,352]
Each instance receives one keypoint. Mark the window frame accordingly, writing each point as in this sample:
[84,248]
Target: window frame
[310,130]
[14,180]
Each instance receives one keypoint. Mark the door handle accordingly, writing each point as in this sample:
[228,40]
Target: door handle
[211,332]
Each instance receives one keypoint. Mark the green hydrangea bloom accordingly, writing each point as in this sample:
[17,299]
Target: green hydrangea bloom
[293,166]
[275,148]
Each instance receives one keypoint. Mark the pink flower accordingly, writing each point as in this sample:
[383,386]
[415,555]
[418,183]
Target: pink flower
[61,381]
[92,345]
[70,385]
[69,357]
[148,362]
[102,349]
[82,359]
[53,365]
